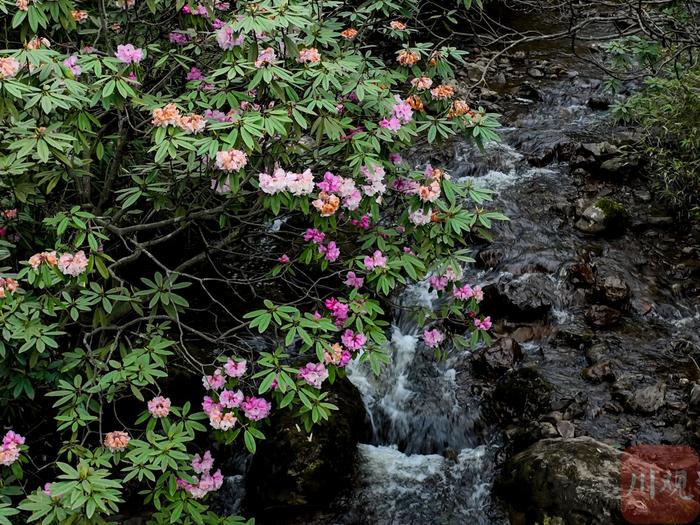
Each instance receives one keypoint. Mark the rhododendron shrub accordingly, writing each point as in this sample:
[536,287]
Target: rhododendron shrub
[211,194]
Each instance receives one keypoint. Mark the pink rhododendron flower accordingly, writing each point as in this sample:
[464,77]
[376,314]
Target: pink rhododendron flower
[352,201]
[12,439]
[331,252]
[392,124]
[256,408]
[159,406]
[451,274]
[464,293]
[314,235]
[9,214]
[230,399]
[422,83]
[7,286]
[337,356]
[38,43]
[395,158]
[402,111]
[363,223]
[203,463]
[195,74]
[231,160]
[433,338]
[376,260]
[125,4]
[406,186]
[375,179]
[314,374]
[429,193]
[207,482]
[22,5]
[116,441]
[353,341]
[300,183]
[478,294]
[283,259]
[72,64]
[216,381]
[9,66]
[222,420]
[128,54]
[227,39]
[72,265]
[9,455]
[338,310]
[235,368]
[208,404]
[354,281]
[484,324]
[309,56]
[179,38]
[47,489]
[331,183]
[420,217]
[265,57]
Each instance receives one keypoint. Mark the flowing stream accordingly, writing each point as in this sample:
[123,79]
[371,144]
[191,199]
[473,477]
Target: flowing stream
[431,460]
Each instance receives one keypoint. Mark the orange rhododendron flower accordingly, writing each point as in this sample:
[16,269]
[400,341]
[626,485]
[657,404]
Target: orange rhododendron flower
[415,102]
[327,204]
[407,58]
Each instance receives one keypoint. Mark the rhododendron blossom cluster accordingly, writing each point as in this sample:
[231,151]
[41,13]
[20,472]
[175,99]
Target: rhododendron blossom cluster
[207,481]
[10,448]
[116,441]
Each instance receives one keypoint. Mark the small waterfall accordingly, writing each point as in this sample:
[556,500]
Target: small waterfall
[424,465]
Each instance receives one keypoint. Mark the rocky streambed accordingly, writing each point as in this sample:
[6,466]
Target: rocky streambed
[596,296]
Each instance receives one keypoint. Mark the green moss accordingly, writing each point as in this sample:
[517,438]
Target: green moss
[615,212]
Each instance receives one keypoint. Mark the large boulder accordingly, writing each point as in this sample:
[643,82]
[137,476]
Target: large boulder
[572,481]
[293,470]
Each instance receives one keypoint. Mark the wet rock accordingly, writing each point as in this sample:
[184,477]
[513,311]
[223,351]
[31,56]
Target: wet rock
[526,298]
[694,401]
[597,352]
[581,274]
[297,469]
[528,91]
[575,480]
[618,167]
[597,150]
[498,358]
[592,220]
[566,429]
[535,72]
[602,316]
[599,372]
[489,258]
[613,290]
[649,399]
[599,102]
[575,336]
[604,215]
[521,394]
